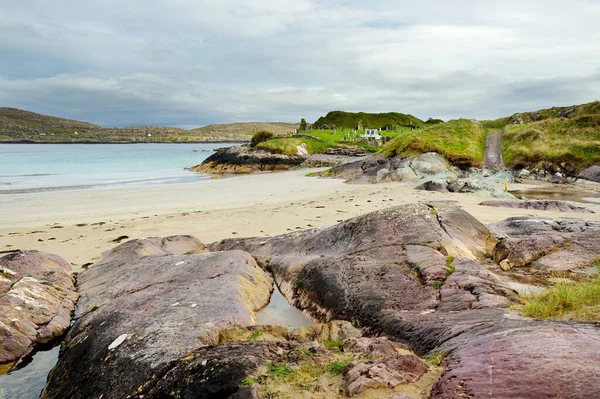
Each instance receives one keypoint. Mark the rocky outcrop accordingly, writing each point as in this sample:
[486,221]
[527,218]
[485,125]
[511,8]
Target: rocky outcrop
[245,159]
[545,205]
[413,260]
[378,168]
[37,296]
[141,312]
[545,245]
[414,273]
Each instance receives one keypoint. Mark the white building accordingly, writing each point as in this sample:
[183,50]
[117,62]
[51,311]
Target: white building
[371,134]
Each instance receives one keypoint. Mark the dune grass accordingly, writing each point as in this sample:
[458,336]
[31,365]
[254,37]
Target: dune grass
[555,140]
[459,141]
[564,301]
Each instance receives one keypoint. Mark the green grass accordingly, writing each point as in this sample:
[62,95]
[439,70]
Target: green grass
[281,371]
[249,381]
[461,142]
[436,357]
[556,140]
[450,265]
[332,343]
[350,120]
[437,285]
[564,300]
[338,367]
[256,335]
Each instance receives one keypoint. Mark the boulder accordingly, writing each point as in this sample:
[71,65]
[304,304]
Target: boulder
[140,314]
[542,205]
[388,372]
[37,297]
[245,159]
[546,245]
[592,173]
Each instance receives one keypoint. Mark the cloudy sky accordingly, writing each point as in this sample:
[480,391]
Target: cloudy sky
[190,63]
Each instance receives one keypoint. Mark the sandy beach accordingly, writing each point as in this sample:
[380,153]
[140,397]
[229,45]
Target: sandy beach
[80,225]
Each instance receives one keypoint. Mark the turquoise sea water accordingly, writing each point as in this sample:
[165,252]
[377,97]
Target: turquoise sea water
[44,167]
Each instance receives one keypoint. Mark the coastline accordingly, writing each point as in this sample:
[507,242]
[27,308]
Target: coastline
[124,142]
[79,225]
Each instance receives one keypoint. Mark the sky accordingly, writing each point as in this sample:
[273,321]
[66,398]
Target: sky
[190,63]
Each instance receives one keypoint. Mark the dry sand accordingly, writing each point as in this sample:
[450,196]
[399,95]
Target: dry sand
[80,225]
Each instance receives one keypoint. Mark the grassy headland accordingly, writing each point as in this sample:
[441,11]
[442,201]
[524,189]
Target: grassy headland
[461,142]
[351,120]
[555,135]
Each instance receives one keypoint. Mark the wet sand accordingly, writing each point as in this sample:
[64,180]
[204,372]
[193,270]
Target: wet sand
[80,225]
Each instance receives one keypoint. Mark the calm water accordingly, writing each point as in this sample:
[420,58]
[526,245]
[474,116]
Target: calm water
[559,194]
[28,380]
[44,167]
[280,313]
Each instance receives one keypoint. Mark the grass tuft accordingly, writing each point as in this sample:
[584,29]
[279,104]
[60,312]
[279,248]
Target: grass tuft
[565,300]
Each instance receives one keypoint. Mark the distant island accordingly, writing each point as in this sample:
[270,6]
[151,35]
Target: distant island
[19,126]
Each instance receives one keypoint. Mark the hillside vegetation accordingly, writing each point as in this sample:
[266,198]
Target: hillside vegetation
[18,125]
[559,135]
[351,120]
[461,142]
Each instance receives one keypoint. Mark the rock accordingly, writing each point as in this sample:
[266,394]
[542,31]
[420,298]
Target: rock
[140,306]
[546,360]
[565,113]
[557,179]
[391,265]
[543,205]
[332,331]
[546,245]
[378,168]
[37,296]
[592,173]
[524,173]
[389,372]
[245,159]
[437,185]
[373,348]
[505,265]
[153,246]
[301,150]
[348,151]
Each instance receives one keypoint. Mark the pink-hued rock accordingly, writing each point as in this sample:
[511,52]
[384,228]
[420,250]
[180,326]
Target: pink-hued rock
[37,296]
[546,360]
[389,372]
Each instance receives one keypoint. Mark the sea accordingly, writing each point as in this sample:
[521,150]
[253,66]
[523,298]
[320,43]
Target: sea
[28,168]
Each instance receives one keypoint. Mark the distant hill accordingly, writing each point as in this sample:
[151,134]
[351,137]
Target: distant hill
[246,130]
[351,120]
[23,126]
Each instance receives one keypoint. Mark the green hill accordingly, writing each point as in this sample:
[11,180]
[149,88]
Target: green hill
[461,142]
[24,126]
[557,135]
[351,120]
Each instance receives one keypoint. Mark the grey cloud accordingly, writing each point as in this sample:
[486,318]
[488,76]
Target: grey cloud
[189,63]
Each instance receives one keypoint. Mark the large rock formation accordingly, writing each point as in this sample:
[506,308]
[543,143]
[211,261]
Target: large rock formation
[414,273]
[37,297]
[145,307]
[245,159]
